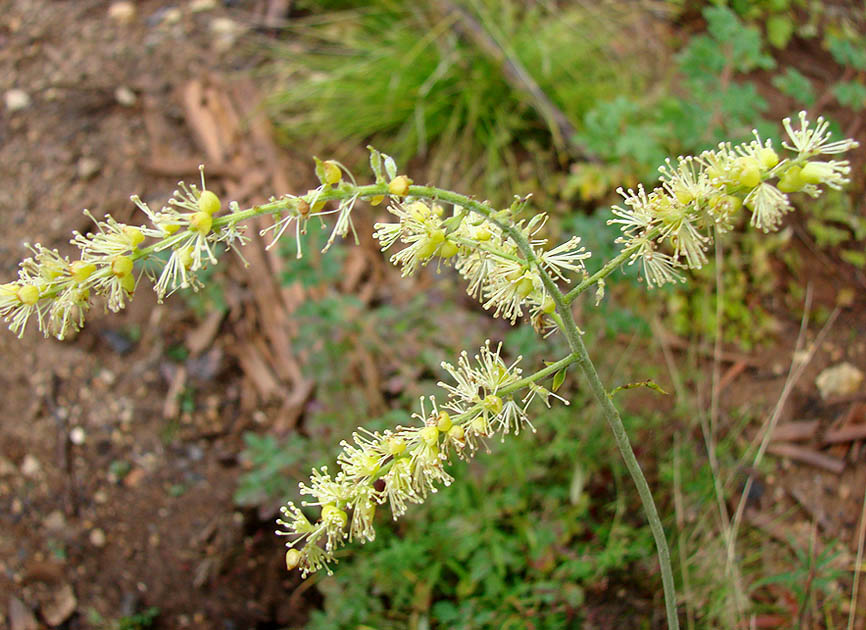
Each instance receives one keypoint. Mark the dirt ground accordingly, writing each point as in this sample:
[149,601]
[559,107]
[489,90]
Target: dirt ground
[114,497]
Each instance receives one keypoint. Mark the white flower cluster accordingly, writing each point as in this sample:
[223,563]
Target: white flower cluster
[404,466]
[699,195]
[498,276]
[58,292]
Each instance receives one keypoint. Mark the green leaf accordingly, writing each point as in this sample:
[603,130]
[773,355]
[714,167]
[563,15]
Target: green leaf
[796,85]
[851,94]
[559,379]
[649,384]
[780,28]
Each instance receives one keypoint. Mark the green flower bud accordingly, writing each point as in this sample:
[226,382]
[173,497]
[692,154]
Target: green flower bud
[134,235]
[28,294]
[201,222]
[443,422]
[456,433]
[430,435]
[548,306]
[492,403]
[767,157]
[332,513]
[370,465]
[791,181]
[448,249]
[816,172]
[81,270]
[399,186]
[748,171]
[128,282]
[524,287]
[375,201]
[396,445]
[184,256]
[481,233]
[333,173]
[209,203]
[121,266]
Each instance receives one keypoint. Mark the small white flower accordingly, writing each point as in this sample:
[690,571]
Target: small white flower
[768,205]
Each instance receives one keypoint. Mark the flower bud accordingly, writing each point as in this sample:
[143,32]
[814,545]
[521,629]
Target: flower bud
[430,435]
[293,558]
[456,433]
[200,222]
[481,233]
[332,514]
[548,306]
[792,180]
[748,172]
[375,201]
[128,283]
[134,235]
[767,157]
[208,202]
[479,425]
[369,465]
[81,270]
[816,172]
[169,228]
[418,210]
[333,173]
[492,403]
[443,421]
[28,294]
[448,249]
[121,266]
[184,257]
[524,287]
[399,186]
[396,445]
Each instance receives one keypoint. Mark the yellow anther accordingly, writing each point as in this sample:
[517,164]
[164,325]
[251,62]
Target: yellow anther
[443,421]
[399,186]
[28,294]
[81,270]
[200,222]
[134,235]
[293,558]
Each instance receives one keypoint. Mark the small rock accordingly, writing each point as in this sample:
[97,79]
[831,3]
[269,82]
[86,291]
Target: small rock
[88,167]
[30,467]
[55,521]
[125,96]
[77,436]
[97,538]
[20,616]
[197,6]
[226,32]
[123,12]
[100,497]
[60,606]
[17,100]
[839,380]
[172,15]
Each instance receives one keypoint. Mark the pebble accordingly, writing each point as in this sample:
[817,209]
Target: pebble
[197,6]
[17,100]
[100,497]
[60,605]
[30,467]
[88,167]
[97,537]
[125,96]
[122,12]
[172,15]
[55,521]
[839,380]
[77,436]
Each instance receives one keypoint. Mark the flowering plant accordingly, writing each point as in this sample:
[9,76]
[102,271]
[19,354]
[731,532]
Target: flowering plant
[509,267]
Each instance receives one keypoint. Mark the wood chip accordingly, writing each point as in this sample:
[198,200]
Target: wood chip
[199,339]
[808,456]
[797,431]
[171,406]
[20,616]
